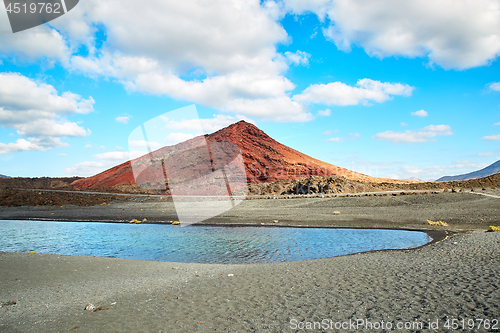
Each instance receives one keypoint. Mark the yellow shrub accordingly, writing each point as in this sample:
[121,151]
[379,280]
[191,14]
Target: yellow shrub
[441,223]
[493,228]
[176,223]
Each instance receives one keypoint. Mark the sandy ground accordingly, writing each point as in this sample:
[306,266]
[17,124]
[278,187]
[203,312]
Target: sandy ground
[462,211]
[456,278]
[453,279]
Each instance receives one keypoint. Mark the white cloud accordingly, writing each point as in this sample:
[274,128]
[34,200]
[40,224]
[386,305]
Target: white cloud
[366,91]
[19,145]
[281,109]
[319,7]
[403,124]
[175,138]
[425,134]
[485,154]
[105,161]
[205,125]
[434,171]
[329,132]
[221,54]
[230,46]
[123,119]
[351,137]
[38,112]
[495,86]
[88,146]
[494,137]
[325,113]
[496,124]
[298,58]
[20,93]
[87,168]
[119,156]
[62,155]
[452,34]
[420,113]
[35,43]
[143,144]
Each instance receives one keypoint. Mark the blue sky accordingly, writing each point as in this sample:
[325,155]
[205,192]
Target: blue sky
[387,88]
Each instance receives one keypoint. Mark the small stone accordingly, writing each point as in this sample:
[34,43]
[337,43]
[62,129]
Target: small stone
[275,221]
[90,307]
[336,212]
[230,275]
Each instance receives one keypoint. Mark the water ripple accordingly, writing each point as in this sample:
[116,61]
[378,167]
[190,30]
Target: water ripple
[198,244]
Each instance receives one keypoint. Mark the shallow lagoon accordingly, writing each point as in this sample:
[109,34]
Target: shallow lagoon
[198,244]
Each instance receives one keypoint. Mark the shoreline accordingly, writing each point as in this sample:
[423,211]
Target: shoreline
[451,278]
[416,285]
[463,212]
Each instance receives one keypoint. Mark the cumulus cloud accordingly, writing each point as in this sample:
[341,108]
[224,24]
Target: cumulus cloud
[19,145]
[104,161]
[341,94]
[425,134]
[38,113]
[351,137]
[329,132]
[420,113]
[221,54]
[325,113]
[452,34]
[38,42]
[143,144]
[494,137]
[281,109]
[298,58]
[496,124]
[495,86]
[438,171]
[175,138]
[86,168]
[122,119]
[485,154]
[319,7]
[205,125]
[20,93]
[119,156]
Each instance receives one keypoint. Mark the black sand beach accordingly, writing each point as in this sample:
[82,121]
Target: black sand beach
[464,211]
[456,278]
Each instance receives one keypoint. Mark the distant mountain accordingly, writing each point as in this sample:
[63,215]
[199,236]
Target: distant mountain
[414,179]
[4,176]
[265,160]
[488,171]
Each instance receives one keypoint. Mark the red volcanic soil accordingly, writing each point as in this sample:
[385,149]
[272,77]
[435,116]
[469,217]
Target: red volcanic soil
[265,160]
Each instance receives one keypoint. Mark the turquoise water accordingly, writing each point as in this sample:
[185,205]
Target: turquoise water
[198,244]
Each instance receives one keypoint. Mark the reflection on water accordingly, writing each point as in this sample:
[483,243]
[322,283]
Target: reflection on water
[198,244]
